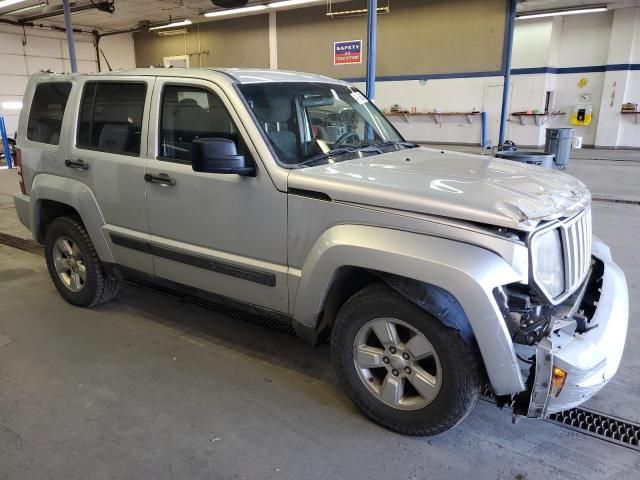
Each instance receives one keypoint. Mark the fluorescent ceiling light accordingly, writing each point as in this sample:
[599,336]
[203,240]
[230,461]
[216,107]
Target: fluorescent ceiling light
[234,11]
[182,23]
[8,3]
[25,9]
[562,12]
[290,3]
[15,105]
[167,33]
[354,13]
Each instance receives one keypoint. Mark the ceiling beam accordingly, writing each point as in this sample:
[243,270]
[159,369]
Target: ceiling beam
[105,6]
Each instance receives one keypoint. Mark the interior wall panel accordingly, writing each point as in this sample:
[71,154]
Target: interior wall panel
[240,42]
[417,37]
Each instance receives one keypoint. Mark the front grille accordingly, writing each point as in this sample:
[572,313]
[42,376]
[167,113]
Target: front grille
[576,243]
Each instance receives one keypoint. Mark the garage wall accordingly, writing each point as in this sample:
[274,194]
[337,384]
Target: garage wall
[416,38]
[552,54]
[119,50]
[424,63]
[239,42]
[565,50]
[38,49]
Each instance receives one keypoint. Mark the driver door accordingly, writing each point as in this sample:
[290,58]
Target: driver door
[222,233]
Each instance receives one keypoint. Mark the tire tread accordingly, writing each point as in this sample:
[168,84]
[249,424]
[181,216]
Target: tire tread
[106,288]
[468,390]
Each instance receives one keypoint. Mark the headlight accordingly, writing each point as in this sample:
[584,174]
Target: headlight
[547,263]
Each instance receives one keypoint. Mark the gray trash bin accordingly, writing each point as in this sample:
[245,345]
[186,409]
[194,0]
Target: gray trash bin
[558,142]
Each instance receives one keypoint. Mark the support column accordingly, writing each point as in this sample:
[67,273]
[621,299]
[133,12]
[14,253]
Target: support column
[70,40]
[506,68]
[625,33]
[273,41]
[372,38]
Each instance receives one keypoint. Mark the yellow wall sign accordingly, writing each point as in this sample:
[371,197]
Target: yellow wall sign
[582,82]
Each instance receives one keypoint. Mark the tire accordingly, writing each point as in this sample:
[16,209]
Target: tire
[452,367]
[97,287]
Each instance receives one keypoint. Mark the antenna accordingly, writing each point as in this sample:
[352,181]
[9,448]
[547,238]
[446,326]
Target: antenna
[107,61]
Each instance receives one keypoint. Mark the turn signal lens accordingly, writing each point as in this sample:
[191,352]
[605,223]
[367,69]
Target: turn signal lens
[558,378]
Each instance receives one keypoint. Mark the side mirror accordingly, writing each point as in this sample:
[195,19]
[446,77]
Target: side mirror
[219,155]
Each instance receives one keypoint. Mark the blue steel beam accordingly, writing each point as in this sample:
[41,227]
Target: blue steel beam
[372,39]
[506,67]
[70,40]
[5,144]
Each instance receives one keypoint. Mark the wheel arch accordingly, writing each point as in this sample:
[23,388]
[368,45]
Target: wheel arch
[435,300]
[454,281]
[47,211]
[53,196]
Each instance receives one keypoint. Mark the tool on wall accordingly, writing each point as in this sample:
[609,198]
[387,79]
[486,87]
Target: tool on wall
[582,114]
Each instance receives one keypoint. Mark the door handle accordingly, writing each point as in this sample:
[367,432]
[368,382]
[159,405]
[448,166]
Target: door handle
[77,164]
[161,179]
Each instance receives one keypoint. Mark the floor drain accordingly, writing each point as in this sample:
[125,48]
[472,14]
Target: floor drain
[21,243]
[595,424]
[615,200]
[606,427]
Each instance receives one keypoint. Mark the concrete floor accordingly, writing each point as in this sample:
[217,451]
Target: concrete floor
[152,387]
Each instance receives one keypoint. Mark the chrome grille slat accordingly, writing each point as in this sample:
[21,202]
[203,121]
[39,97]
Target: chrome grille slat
[576,239]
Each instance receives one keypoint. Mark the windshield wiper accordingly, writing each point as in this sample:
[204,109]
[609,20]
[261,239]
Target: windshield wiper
[329,154]
[374,147]
[390,143]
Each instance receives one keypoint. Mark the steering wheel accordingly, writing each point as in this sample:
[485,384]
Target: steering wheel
[345,138]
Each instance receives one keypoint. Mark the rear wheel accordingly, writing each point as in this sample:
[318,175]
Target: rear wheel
[402,367]
[74,265]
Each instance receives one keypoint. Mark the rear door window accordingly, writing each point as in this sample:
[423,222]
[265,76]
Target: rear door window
[111,117]
[47,110]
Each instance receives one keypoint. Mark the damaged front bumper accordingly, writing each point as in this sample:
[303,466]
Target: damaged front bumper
[590,359]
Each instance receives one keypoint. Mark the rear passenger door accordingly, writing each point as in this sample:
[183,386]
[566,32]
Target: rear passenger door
[109,155]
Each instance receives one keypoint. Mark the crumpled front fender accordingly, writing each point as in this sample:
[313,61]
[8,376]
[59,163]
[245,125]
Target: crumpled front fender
[467,272]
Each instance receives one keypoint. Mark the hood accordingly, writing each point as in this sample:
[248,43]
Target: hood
[449,184]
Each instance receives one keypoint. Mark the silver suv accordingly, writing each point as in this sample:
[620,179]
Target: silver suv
[432,274]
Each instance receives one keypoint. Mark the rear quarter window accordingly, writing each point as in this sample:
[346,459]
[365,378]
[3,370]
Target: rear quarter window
[47,110]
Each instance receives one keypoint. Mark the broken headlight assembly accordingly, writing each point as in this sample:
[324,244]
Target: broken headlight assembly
[547,263]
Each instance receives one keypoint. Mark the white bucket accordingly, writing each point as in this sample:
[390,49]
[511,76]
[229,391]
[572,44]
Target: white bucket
[577,142]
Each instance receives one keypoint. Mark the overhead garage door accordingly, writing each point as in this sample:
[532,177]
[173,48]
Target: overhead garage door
[22,54]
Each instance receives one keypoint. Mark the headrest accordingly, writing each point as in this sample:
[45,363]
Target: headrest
[188,102]
[277,110]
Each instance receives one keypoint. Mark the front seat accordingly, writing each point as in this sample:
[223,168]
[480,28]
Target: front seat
[277,117]
[283,139]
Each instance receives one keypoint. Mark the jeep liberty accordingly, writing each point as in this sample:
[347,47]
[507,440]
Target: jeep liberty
[434,275]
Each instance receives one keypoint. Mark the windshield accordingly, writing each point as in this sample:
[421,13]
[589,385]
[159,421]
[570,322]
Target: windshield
[313,123]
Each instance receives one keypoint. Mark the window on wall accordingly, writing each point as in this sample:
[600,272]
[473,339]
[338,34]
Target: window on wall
[111,117]
[189,113]
[47,110]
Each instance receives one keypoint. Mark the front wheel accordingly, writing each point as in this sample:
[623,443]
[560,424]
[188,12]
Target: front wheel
[402,367]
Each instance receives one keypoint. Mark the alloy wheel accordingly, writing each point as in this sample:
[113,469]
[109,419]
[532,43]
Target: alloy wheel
[397,363]
[69,264]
